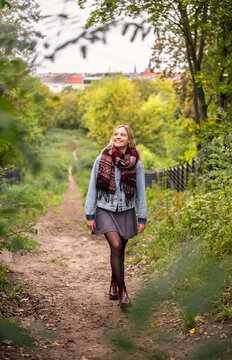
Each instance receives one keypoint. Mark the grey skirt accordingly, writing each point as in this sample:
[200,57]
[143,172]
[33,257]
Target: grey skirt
[125,222]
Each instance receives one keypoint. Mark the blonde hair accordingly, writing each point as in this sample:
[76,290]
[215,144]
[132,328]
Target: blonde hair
[130,134]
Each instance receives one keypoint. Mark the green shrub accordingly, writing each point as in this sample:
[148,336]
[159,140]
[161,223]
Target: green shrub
[86,154]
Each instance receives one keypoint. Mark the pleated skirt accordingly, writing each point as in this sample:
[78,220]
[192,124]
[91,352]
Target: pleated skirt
[125,222]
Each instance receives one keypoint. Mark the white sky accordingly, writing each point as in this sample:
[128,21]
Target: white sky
[119,54]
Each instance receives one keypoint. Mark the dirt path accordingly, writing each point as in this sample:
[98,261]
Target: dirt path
[68,283]
[72,301]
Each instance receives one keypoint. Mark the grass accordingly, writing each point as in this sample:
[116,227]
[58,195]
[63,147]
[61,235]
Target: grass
[11,290]
[182,242]
[58,260]
[177,223]
[86,154]
[22,204]
[181,231]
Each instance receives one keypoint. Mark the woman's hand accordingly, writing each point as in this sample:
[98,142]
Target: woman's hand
[141,227]
[91,225]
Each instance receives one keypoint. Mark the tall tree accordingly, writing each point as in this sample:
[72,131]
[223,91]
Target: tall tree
[202,28]
[110,102]
[17,41]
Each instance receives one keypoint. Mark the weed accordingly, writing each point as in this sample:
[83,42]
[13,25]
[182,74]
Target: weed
[69,222]
[58,260]
[57,210]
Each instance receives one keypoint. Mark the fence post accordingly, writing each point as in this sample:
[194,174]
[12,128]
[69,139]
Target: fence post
[173,177]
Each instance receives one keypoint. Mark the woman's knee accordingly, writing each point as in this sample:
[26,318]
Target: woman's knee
[117,245]
[114,241]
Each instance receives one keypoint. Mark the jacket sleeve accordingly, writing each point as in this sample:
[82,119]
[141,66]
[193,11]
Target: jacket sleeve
[91,198]
[141,202]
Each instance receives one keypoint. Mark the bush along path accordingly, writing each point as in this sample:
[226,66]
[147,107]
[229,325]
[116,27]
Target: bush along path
[66,306]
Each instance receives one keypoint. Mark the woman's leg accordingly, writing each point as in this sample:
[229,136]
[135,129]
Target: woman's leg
[117,255]
[117,247]
[124,242]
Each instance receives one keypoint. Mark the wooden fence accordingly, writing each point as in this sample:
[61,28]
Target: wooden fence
[174,177]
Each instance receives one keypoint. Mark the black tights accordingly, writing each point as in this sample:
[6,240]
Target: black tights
[117,255]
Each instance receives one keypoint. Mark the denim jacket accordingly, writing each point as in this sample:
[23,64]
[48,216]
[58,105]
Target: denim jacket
[118,202]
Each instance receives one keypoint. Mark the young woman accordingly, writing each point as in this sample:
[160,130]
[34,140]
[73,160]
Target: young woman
[116,186]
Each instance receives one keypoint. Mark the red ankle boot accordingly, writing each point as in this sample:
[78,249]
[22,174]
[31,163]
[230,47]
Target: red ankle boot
[123,297]
[113,293]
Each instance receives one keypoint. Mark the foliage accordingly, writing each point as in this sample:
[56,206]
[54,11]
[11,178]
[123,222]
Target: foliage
[111,102]
[21,97]
[155,123]
[68,114]
[148,87]
[15,334]
[39,103]
[200,216]
[158,296]
[21,204]
[18,37]
[187,248]
[8,329]
[150,160]
[86,154]
[153,116]
[192,33]
[27,111]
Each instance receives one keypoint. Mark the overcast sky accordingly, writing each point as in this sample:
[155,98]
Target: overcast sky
[119,54]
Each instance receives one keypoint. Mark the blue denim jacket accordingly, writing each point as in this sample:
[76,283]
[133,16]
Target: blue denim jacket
[119,201]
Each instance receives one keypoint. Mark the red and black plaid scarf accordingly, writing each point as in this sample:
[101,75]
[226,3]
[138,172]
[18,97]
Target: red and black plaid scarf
[106,177]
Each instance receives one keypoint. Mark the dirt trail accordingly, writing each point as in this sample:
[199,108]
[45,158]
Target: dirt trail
[72,301]
[68,283]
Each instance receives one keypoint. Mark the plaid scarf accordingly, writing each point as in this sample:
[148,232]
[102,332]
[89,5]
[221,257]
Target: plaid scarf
[106,177]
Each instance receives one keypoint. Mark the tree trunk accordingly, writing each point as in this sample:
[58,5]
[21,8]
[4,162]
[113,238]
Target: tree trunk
[194,61]
[202,103]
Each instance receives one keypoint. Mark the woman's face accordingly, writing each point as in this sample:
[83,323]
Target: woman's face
[120,139]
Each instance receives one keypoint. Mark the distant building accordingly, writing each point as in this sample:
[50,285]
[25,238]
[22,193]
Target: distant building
[148,75]
[55,82]
[76,82]
[58,82]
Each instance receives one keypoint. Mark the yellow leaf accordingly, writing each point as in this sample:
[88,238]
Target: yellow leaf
[192,331]
[154,324]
